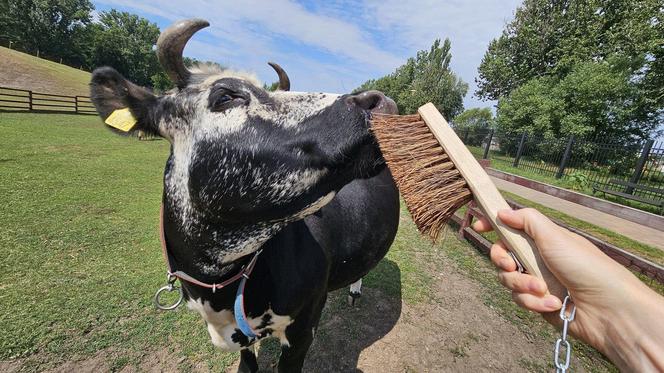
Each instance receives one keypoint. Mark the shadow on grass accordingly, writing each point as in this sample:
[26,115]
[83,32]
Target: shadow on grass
[345,331]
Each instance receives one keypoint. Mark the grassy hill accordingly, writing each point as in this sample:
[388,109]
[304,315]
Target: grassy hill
[23,71]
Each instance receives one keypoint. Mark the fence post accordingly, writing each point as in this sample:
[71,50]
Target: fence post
[640,164]
[565,158]
[488,145]
[30,100]
[76,104]
[520,150]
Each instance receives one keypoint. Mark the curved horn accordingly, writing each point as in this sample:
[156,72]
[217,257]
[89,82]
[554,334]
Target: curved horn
[170,44]
[284,82]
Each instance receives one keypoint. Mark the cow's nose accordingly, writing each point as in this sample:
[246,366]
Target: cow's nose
[375,101]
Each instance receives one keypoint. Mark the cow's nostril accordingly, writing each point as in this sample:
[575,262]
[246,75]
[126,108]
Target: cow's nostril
[369,100]
[375,101]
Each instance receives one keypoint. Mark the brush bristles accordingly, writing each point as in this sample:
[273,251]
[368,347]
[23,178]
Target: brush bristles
[428,180]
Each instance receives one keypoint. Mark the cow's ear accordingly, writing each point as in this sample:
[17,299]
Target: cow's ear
[124,106]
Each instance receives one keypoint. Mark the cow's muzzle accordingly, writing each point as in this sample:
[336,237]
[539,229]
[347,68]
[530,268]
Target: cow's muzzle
[375,102]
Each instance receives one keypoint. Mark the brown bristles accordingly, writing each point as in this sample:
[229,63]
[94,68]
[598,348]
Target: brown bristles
[427,179]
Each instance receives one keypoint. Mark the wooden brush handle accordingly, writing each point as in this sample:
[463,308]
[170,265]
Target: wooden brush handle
[488,198]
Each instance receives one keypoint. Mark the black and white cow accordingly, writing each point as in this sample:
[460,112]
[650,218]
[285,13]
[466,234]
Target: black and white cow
[298,175]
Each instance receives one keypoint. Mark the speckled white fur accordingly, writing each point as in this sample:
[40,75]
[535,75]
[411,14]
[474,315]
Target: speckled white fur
[222,325]
[292,108]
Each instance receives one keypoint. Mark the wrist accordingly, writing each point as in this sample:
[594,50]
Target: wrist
[634,338]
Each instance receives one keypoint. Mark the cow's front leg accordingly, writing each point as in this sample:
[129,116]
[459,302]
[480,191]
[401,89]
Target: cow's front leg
[355,292]
[300,334]
[248,362]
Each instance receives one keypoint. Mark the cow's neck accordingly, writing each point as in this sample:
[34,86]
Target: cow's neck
[211,251]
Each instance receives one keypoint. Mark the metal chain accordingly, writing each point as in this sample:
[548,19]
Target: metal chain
[561,367]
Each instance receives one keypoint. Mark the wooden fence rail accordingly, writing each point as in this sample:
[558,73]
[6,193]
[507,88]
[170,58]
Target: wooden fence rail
[627,259]
[22,100]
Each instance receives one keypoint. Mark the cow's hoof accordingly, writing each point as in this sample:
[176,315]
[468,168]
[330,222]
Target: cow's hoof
[354,299]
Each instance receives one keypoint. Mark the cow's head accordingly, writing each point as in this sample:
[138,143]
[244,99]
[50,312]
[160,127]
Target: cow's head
[242,156]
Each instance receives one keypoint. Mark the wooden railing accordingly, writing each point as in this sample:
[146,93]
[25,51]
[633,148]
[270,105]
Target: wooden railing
[22,100]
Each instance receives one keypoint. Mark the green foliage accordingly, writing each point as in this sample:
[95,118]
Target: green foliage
[125,41]
[54,28]
[594,100]
[475,118]
[63,29]
[578,67]
[271,87]
[425,78]
[549,37]
[578,180]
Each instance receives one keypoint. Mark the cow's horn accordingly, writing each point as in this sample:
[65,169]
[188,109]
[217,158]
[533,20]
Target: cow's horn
[284,82]
[170,44]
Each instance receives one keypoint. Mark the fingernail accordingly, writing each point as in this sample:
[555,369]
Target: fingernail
[552,302]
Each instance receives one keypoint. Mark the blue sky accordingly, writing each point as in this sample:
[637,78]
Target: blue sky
[333,45]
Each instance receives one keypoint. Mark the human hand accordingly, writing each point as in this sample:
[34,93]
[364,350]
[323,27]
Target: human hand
[609,299]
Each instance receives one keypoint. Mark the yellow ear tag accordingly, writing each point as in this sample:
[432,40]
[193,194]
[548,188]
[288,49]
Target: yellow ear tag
[121,119]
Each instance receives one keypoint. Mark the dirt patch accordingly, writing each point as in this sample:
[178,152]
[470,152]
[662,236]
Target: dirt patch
[158,361]
[455,331]
[97,363]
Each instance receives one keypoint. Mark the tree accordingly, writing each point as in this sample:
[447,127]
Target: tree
[126,42]
[475,118]
[588,68]
[425,78]
[51,27]
[549,37]
[593,100]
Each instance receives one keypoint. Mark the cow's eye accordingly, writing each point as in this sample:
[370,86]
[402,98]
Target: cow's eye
[223,99]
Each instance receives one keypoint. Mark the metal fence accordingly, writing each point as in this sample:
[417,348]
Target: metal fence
[633,171]
[22,100]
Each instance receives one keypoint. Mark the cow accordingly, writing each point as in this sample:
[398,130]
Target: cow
[295,177]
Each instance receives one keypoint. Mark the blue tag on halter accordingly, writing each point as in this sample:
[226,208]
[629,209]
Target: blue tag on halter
[240,317]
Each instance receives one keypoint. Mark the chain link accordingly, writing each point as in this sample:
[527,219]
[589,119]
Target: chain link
[567,317]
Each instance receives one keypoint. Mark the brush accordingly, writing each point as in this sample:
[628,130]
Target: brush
[436,175]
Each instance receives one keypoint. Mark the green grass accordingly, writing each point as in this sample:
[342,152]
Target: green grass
[80,247]
[81,255]
[24,71]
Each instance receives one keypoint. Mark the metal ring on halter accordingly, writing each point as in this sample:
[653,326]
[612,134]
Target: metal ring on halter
[169,288]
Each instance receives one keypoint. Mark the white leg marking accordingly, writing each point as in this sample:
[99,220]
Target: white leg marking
[356,287]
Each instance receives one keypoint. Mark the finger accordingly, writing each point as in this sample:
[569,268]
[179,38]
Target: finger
[522,283]
[482,225]
[533,222]
[548,303]
[501,258]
